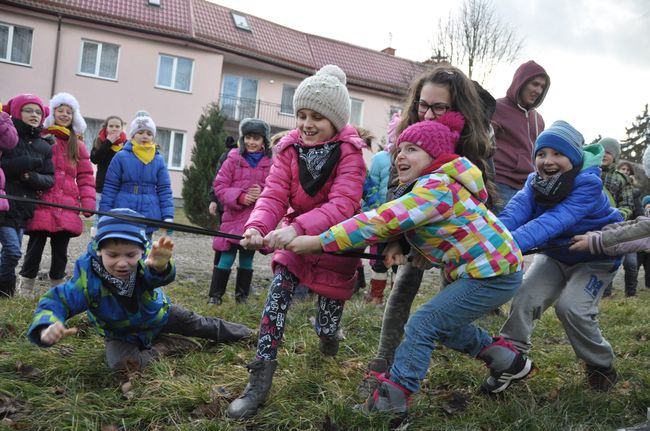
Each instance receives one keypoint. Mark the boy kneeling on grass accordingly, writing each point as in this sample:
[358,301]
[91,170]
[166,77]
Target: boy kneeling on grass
[117,282]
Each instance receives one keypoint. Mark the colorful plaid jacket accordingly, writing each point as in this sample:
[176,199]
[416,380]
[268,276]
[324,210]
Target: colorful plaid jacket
[444,218]
[619,191]
[85,292]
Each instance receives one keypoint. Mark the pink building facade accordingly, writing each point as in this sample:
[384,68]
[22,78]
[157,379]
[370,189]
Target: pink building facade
[118,57]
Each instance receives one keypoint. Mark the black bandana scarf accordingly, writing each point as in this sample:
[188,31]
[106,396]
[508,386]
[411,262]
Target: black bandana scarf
[403,189]
[315,165]
[123,288]
[553,190]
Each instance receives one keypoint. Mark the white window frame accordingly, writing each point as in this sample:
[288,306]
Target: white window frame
[10,39]
[360,102]
[173,79]
[284,87]
[98,58]
[170,156]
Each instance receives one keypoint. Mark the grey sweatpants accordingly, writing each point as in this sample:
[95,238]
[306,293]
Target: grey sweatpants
[180,321]
[576,291]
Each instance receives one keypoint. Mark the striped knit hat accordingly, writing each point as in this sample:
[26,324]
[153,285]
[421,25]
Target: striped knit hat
[112,227]
[563,138]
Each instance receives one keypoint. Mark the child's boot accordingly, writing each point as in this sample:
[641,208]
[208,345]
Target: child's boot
[256,391]
[601,378]
[243,284]
[506,365]
[329,346]
[371,381]
[218,285]
[376,294]
[26,287]
[389,397]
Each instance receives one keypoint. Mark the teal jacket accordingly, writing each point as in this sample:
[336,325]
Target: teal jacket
[85,292]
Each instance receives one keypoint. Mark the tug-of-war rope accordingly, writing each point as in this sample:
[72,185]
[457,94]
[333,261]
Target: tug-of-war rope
[179,227]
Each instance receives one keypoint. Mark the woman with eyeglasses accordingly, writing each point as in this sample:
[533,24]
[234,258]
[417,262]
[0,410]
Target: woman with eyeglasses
[28,171]
[439,90]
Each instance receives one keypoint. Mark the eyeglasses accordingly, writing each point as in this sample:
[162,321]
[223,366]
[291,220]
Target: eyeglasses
[32,111]
[437,108]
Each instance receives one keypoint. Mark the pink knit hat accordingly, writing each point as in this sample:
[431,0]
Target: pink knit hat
[435,137]
[14,106]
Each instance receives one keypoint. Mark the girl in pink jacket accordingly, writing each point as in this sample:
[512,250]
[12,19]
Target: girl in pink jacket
[316,179]
[74,185]
[237,186]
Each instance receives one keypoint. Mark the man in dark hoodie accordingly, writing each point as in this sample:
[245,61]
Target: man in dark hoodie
[516,126]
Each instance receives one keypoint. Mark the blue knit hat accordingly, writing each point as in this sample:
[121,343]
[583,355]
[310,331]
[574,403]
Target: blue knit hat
[112,227]
[645,201]
[563,138]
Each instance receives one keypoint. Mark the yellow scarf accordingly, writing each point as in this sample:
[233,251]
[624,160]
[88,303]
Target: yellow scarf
[144,152]
[116,147]
[62,129]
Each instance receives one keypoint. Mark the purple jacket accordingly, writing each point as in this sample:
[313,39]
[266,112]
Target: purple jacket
[8,140]
[516,129]
[285,200]
[233,179]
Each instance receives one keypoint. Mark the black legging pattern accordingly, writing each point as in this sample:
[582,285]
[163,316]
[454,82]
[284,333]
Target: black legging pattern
[275,310]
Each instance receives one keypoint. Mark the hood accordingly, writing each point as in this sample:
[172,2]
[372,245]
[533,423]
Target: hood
[592,156]
[467,174]
[525,73]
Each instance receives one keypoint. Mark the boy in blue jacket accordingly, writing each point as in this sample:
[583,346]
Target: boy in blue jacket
[117,282]
[562,198]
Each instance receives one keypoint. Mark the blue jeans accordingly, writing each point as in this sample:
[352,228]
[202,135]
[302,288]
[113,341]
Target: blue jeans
[505,194]
[11,240]
[446,319]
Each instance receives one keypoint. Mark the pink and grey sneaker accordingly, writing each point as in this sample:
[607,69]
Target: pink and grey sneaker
[506,364]
[389,397]
[371,381]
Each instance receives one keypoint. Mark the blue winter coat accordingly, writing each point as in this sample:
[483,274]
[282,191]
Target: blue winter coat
[85,292]
[129,183]
[586,208]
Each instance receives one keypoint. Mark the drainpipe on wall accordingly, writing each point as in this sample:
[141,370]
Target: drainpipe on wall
[56,56]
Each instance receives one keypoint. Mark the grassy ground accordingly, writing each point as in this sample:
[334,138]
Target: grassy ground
[67,387]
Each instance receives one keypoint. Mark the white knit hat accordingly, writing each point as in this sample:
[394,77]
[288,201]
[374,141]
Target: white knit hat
[78,122]
[142,121]
[325,93]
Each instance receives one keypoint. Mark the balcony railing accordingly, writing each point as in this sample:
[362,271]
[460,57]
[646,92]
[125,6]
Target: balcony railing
[238,108]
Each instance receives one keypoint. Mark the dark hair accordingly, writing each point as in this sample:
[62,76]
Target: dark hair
[98,141]
[118,241]
[474,142]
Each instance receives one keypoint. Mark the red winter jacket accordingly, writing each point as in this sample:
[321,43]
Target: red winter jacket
[8,140]
[73,185]
[233,179]
[285,200]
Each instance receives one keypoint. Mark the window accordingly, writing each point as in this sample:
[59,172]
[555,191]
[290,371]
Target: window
[92,130]
[287,99]
[15,44]
[356,112]
[99,59]
[175,73]
[240,21]
[239,97]
[394,110]
[172,147]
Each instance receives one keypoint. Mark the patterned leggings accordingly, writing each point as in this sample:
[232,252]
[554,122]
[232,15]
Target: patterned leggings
[274,314]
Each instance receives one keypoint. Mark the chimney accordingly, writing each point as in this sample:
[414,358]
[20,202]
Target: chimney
[389,51]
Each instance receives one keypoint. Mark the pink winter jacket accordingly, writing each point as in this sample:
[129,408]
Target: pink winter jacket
[233,179]
[73,185]
[284,200]
[8,140]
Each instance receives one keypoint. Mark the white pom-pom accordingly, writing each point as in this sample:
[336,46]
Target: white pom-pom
[333,70]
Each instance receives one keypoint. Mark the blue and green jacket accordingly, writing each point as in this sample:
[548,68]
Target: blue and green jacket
[86,292]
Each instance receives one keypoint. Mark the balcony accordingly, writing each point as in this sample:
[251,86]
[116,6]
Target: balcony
[238,108]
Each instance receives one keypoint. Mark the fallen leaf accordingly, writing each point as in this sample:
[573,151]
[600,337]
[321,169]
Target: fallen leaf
[8,406]
[208,411]
[58,390]
[457,403]
[220,392]
[552,395]
[27,370]
[66,351]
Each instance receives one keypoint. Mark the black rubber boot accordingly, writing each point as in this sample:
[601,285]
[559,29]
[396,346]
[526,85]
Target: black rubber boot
[256,391]
[243,284]
[218,285]
[8,287]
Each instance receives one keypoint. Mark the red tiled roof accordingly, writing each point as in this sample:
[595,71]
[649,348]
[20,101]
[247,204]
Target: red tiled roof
[211,24]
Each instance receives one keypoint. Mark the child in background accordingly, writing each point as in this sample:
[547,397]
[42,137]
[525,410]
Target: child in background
[316,180]
[440,218]
[562,198]
[74,185]
[643,257]
[117,282]
[109,141]
[28,171]
[237,186]
[137,178]
[8,140]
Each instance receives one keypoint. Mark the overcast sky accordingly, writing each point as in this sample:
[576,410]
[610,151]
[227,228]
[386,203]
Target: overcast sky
[597,52]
